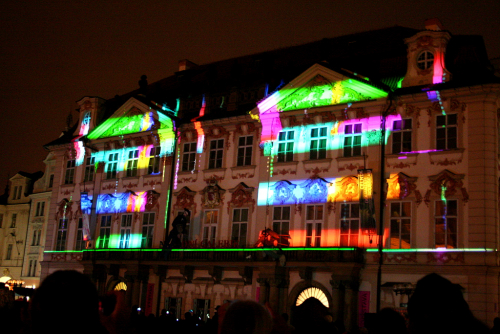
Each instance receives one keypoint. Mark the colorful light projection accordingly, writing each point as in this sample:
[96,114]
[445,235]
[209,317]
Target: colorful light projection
[121,203]
[85,208]
[199,129]
[77,144]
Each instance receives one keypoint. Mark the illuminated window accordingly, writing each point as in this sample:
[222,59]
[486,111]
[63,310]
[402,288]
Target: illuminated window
[349,224]
[400,224]
[125,231]
[210,226]
[401,136]
[318,143]
[62,231]
[201,309]
[89,169]
[69,177]
[40,209]
[446,216]
[425,60]
[446,132]
[133,159]
[112,166]
[352,140]
[32,268]
[245,149]
[51,180]
[148,221]
[36,237]
[121,287]
[154,160]
[188,157]
[285,146]
[80,243]
[216,153]
[314,223]
[8,254]
[240,223]
[13,221]
[312,293]
[281,223]
[104,232]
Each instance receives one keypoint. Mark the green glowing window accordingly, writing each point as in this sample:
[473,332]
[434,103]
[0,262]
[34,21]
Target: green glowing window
[69,177]
[154,160]
[210,225]
[285,146]
[446,132]
[216,153]
[446,222]
[112,166]
[314,223]
[133,160]
[245,149]
[281,223]
[400,225]
[349,224]
[188,157]
[89,169]
[425,60]
[62,231]
[125,231]
[239,229]
[80,243]
[318,143]
[352,140]
[104,232]
[401,136]
[148,221]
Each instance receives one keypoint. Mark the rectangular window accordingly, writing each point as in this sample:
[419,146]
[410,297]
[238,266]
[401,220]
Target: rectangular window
[80,243]
[125,231]
[400,224]
[401,136]
[104,232]
[349,225]
[13,222]
[314,223]
[189,157]
[216,153]
[446,132]
[285,146]
[154,160]
[32,268]
[40,209]
[51,180]
[352,140]
[281,224]
[240,224]
[89,169]
[36,237]
[210,225]
[245,149]
[446,216]
[317,149]
[112,166]
[133,160]
[8,255]
[62,231]
[69,177]
[148,221]
[174,307]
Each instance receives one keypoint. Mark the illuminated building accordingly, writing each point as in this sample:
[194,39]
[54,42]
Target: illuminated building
[290,141]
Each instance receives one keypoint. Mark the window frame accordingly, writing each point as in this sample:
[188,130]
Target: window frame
[112,166]
[210,228]
[404,131]
[281,225]
[314,226]
[188,157]
[147,229]
[154,164]
[286,145]
[400,221]
[89,169]
[244,151]
[320,141]
[426,61]
[104,231]
[216,153]
[125,238]
[239,226]
[132,163]
[79,242]
[352,133]
[450,142]
[446,217]
[62,234]
[349,219]
[69,174]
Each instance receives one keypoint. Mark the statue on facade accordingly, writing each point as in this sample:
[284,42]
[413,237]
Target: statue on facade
[179,230]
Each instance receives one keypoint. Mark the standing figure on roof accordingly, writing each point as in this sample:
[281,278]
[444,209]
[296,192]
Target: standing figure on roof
[179,230]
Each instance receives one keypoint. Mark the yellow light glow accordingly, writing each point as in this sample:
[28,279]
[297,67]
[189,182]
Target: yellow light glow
[312,293]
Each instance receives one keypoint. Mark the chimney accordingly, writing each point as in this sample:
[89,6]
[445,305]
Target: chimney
[433,24]
[186,64]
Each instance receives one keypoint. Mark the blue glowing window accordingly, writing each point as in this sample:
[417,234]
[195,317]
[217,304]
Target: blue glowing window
[112,166]
[318,143]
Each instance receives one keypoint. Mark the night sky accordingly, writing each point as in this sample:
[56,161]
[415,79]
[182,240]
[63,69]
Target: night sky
[53,53]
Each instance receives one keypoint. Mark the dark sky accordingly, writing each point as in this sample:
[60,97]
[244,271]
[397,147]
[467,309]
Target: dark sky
[52,53]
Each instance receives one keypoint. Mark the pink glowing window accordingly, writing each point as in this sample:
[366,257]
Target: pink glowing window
[352,140]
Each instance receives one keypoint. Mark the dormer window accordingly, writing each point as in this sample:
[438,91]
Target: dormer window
[425,60]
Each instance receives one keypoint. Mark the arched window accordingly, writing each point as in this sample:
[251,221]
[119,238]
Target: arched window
[312,292]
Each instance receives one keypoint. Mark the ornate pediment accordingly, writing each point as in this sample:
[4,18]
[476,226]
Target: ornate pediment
[241,196]
[447,184]
[400,186]
[315,190]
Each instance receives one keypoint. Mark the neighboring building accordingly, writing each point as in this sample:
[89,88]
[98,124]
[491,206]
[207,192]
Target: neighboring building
[284,149]
[14,217]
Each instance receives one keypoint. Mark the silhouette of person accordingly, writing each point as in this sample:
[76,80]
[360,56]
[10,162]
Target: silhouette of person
[246,317]
[178,229]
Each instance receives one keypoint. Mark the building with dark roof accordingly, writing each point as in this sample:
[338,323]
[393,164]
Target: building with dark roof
[281,159]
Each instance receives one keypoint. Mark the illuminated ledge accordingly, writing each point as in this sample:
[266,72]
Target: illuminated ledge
[208,249]
[434,250]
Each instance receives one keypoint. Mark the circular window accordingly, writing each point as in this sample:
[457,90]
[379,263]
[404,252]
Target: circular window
[312,293]
[425,60]
[121,286]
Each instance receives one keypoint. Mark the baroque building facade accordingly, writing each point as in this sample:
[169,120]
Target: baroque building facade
[295,165]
